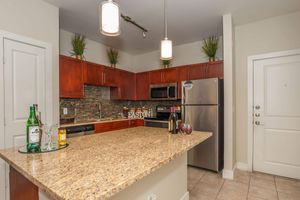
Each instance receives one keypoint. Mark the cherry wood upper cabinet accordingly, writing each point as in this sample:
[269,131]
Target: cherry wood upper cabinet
[197,71]
[215,70]
[125,89]
[155,77]
[127,86]
[110,77]
[169,75]
[142,86]
[93,74]
[71,77]
[163,76]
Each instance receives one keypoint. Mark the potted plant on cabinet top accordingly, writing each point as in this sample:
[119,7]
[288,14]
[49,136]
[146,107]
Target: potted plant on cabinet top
[78,44]
[210,47]
[166,63]
[113,56]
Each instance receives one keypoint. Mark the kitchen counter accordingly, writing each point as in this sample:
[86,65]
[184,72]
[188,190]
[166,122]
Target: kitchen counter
[101,165]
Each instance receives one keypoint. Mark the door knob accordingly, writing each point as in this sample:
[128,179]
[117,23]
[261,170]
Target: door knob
[257,107]
[257,123]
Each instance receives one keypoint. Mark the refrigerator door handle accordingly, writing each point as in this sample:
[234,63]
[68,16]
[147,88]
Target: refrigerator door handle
[183,103]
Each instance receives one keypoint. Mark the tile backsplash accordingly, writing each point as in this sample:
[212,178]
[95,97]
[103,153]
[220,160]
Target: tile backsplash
[88,107]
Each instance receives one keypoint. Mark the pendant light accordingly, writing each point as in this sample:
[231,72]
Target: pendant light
[166,44]
[110,19]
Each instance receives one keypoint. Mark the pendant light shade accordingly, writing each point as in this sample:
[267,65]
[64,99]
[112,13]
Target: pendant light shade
[166,49]
[166,44]
[110,19]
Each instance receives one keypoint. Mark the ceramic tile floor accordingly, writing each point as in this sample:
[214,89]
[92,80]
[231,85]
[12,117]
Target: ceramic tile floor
[205,185]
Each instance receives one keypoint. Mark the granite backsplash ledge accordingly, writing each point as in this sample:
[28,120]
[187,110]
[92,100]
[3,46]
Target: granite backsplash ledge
[88,107]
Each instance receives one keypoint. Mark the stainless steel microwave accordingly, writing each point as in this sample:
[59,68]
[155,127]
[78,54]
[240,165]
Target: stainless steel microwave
[163,91]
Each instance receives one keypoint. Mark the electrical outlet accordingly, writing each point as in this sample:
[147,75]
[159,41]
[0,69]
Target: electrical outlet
[65,111]
[152,197]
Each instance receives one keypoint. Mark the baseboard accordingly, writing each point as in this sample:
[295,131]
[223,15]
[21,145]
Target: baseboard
[228,174]
[186,196]
[242,166]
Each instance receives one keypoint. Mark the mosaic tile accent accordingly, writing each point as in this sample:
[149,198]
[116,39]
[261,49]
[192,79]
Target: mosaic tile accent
[88,107]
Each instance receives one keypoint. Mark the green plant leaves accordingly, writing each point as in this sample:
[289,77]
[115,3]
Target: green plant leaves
[113,55]
[78,44]
[210,46]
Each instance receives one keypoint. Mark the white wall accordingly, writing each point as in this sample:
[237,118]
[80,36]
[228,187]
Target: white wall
[229,131]
[95,51]
[38,20]
[183,54]
[269,35]
[190,53]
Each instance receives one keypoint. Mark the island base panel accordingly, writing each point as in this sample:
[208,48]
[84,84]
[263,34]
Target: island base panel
[20,187]
[168,182]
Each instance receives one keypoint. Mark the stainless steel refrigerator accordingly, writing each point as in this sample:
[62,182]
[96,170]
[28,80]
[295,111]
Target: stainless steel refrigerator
[202,107]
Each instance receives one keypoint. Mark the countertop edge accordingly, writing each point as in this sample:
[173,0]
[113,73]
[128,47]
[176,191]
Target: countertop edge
[114,191]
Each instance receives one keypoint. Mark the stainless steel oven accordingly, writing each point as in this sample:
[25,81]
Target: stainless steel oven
[163,91]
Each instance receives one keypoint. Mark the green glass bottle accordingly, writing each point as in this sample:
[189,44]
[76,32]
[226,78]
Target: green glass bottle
[33,132]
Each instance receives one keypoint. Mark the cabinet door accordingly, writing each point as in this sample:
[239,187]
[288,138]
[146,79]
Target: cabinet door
[182,76]
[93,74]
[127,85]
[215,70]
[142,86]
[118,125]
[110,76]
[197,71]
[103,127]
[170,75]
[155,77]
[136,123]
[70,77]
[125,89]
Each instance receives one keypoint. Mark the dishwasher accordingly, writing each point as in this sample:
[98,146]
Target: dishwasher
[74,131]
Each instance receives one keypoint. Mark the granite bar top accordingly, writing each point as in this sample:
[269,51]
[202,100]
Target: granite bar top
[100,165]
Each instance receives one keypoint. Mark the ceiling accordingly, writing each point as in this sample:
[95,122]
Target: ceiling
[188,20]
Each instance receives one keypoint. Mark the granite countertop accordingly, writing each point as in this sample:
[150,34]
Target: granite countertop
[95,121]
[100,165]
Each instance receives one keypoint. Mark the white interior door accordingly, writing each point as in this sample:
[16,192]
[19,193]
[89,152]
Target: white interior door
[24,82]
[277,116]
[24,85]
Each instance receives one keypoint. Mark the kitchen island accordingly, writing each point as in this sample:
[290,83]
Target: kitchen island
[103,166]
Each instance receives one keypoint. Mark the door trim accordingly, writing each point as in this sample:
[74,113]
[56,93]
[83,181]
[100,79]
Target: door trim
[250,130]
[48,81]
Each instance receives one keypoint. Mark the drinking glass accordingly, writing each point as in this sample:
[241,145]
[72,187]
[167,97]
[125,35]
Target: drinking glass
[49,137]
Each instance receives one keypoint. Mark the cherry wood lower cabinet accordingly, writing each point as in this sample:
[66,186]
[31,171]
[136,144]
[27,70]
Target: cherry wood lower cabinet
[20,187]
[118,125]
